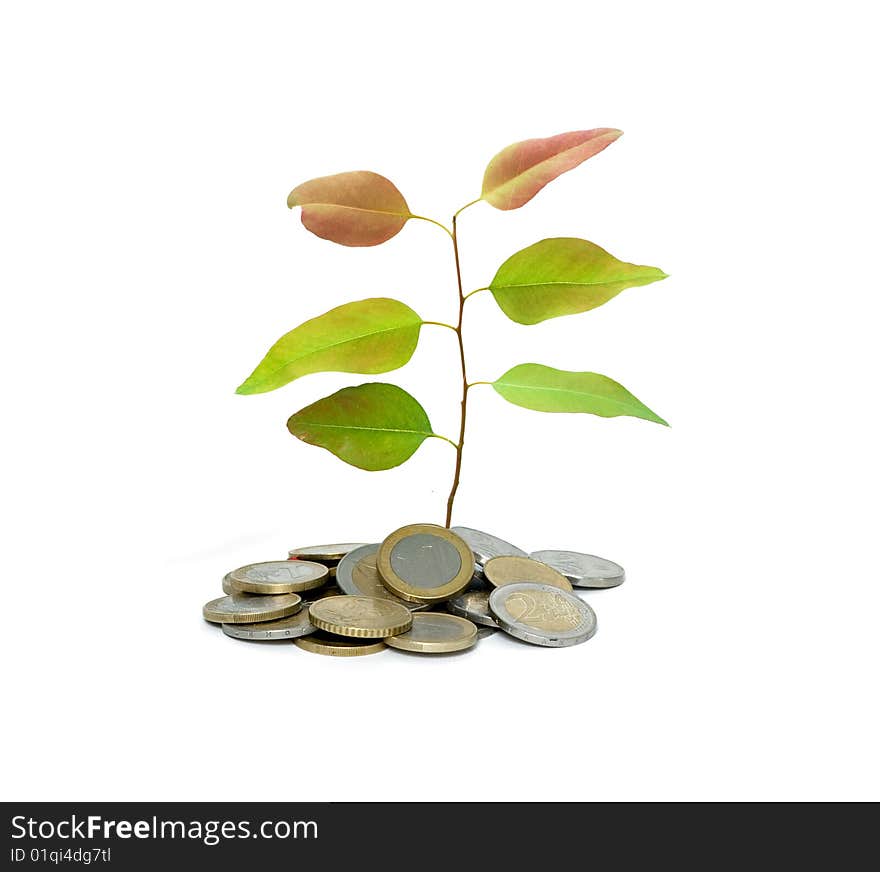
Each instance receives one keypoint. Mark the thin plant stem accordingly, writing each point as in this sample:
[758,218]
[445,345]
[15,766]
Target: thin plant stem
[446,439]
[466,206]
[432,221]
[477,291]
[464,383]
[441,324]
[471,384]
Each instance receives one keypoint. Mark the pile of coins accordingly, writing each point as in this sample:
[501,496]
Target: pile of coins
[425,589]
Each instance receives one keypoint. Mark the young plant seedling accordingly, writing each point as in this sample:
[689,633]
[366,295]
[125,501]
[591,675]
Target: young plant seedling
[379,426]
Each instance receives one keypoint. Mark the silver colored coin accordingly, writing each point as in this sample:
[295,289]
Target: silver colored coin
[583,570]
[486,546]
[291,627]
[484,632]
[357,578]
[473,605]
[423,560]
[542,614]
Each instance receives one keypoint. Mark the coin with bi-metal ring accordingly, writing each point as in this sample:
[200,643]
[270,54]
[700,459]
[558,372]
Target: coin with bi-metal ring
[542,614]
[291,627]
[425,563]
[357,575]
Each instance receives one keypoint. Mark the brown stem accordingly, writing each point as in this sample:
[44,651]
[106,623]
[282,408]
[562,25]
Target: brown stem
[464,383]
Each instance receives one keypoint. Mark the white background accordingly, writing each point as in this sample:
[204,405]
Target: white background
[149,260]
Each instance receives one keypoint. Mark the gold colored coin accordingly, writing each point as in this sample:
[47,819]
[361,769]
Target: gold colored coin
[425,563]
[323,553]
[513,570]
[247,609]
[362,616]
[436,633]
[335,646]
[278,576]
[330,564]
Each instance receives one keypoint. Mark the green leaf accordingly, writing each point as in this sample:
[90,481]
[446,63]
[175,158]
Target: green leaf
[546,389]
[358,208]
[519,171]
[563,276]
[369,336]
[372,426]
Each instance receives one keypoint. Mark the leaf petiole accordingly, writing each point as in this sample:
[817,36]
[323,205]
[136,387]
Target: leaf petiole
[441,324]
[468,205]
[471,384]
[432,221]
[477,291]
[445,439]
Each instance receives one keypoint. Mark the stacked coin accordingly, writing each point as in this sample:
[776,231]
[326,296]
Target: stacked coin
[425,589]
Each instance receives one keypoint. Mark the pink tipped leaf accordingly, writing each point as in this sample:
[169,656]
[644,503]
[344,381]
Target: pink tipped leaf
[357,208]
[519,171]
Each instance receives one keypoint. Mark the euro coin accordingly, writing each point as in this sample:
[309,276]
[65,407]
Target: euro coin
[323,553]
[510,570]
[435,633]
[583,570]
[486,546]
[473,605]
[361,616]
[238,609]
[278,576]
[291,627]
[336,646]
[542,614]
[228,589]
[425,563]
[357,575]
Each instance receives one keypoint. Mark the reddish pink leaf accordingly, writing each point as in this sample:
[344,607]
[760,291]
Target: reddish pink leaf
[519,171]
[358,208]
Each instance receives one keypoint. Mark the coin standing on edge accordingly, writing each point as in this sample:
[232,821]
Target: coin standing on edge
[542,614]
[435,633]
[486,546]
[362,616]
[278,576]
[336,646]
[238,609]
[358,575]
[291,627]
[425,563]
[583,570]
[511,570]
[473,605]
